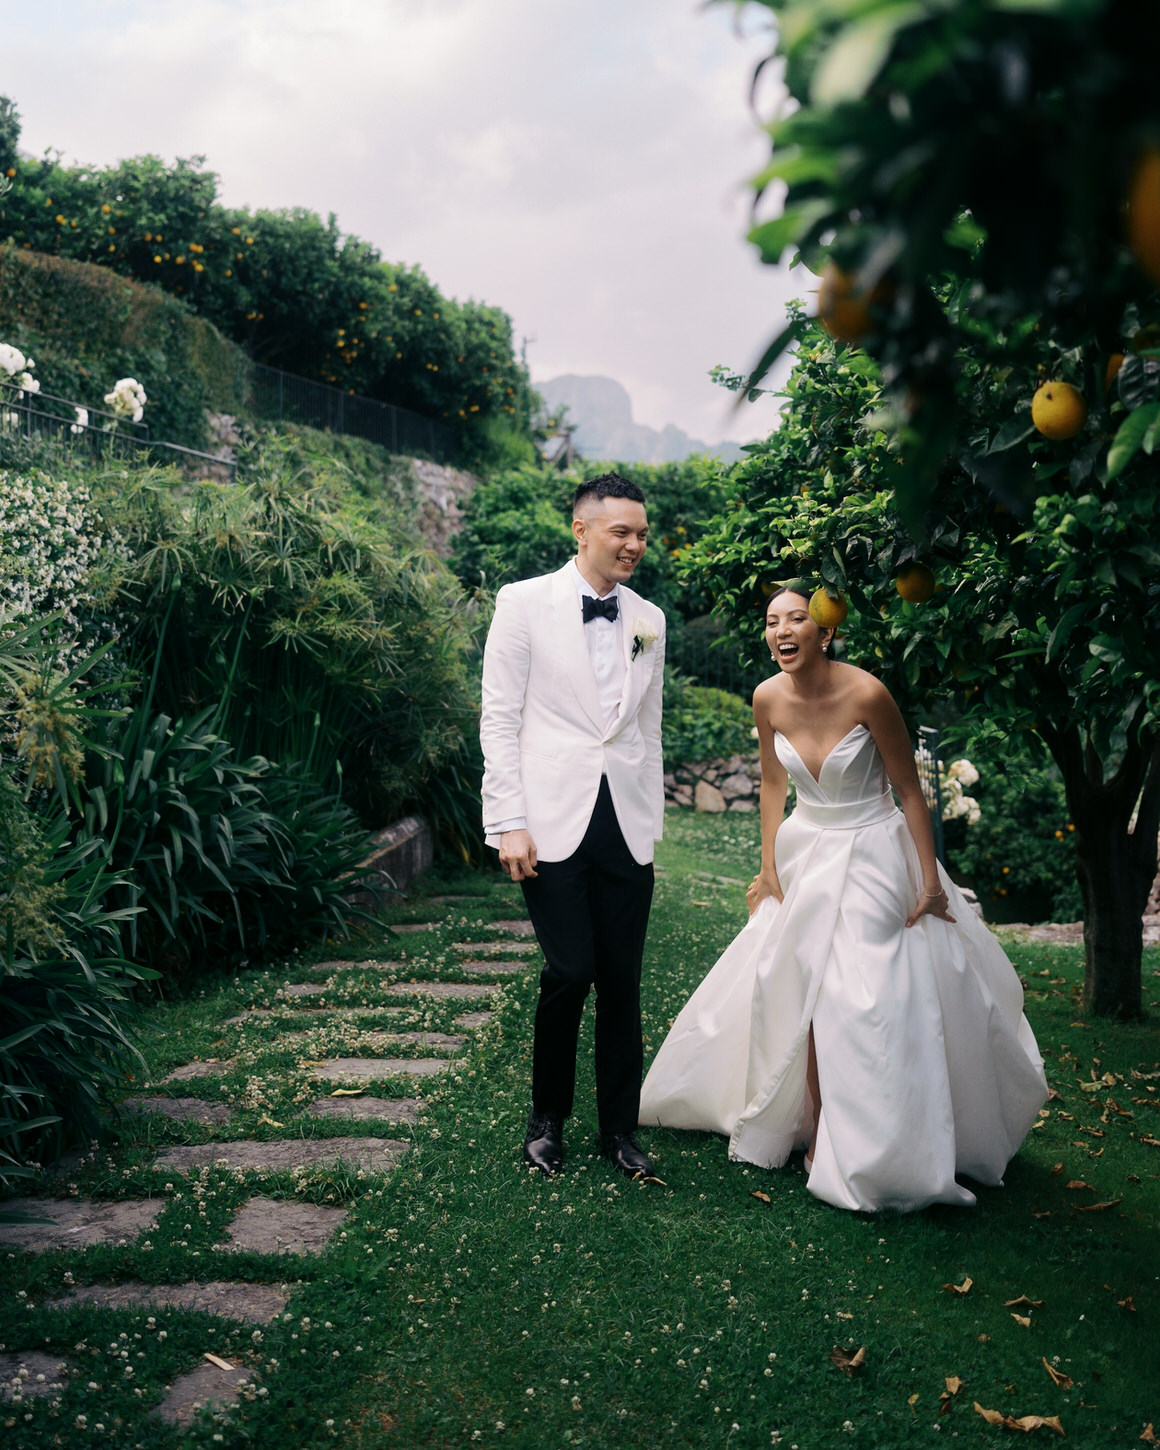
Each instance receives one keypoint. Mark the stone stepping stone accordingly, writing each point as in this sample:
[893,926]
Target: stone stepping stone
[282,1226]
[482,968]
[211,1067]
[182,1110]
[405,928]
[396,1039]
[206,1385]
[250,1303]
[522,927]
[374,1069]
[345,1014]
[28,1375]
[441,989]
[470,948]
[469,1021]
[78,1222]
[304,989]
[380,1155]
[388,1110]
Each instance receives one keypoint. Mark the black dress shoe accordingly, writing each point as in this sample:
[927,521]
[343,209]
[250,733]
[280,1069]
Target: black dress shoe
[544,1144]
[624,1152]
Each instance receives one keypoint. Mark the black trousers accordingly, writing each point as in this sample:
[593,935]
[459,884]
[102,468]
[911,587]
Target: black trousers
[590,914]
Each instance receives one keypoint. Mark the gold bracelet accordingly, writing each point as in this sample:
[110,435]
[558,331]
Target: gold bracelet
[940,892]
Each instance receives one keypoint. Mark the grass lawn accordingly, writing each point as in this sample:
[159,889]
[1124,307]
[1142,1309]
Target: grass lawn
[468,1302]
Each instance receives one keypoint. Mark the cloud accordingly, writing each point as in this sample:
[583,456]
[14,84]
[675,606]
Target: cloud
[579,164]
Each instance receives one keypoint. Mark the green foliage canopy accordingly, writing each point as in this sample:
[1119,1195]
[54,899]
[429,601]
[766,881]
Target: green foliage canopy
[994,141]
[1050,630]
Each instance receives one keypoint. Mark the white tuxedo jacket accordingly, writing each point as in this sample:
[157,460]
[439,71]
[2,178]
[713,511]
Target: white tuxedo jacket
[545,745]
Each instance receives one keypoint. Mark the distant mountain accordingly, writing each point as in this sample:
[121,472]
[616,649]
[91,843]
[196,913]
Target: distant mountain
[601,411]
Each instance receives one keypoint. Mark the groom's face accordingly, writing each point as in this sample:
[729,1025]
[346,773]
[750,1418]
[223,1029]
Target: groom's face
[611,534]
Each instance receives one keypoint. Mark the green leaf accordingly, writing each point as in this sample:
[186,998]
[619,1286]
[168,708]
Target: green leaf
[1136,427]
[1012,432]
[1061,632]
[853,62]
[773,237]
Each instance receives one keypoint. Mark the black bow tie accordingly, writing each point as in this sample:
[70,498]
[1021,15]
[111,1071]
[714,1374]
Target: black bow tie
[599,608]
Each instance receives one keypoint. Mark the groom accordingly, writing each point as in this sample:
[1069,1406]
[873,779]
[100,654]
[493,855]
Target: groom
[573,797]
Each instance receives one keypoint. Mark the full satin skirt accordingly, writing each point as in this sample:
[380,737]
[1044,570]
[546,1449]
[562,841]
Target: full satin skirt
[927,1067]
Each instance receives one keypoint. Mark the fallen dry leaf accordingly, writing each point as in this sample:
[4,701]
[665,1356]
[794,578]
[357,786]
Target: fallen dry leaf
[1023,1319]
[221,1363]
[963,1288]
[1023,1303]
[1044,1213]
[1149,1434]
[1025,1423]
[1147,1138]
[849,1361]
[1079,1183]
[1057,1168]
[347,1093]
[1128,1304]
[269,1122]
[757,1193]
[912,1401]
[1064,1381]
[953,1384]
[1097,1207]
[1092,1132]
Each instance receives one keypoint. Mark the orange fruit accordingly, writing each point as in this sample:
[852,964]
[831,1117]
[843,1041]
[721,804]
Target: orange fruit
[826,611]
[915,583]
[845,307]
[1144,212]
[1112,371]
[1058,410]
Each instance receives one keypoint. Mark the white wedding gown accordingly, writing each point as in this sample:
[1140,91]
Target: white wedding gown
[927,1067]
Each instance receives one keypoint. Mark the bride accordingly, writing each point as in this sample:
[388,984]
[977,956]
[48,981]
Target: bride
[864,1012]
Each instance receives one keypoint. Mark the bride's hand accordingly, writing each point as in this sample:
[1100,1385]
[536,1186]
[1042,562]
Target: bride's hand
[928,905]
[761,887]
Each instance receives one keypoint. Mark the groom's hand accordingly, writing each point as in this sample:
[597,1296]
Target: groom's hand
[517,854]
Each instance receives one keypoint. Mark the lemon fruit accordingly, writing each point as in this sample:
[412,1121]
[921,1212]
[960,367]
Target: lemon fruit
[915,583]
[1144,212]
[1112,371]
[844,306]
[826,611]
[1058,410]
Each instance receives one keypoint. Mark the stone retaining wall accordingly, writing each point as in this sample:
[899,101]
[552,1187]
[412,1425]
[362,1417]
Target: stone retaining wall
[732,784]
[399,854]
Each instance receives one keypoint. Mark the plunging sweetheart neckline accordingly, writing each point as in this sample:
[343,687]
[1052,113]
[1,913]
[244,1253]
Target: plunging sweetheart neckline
[817,779]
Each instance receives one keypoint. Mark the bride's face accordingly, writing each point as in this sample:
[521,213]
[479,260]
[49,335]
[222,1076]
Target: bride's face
[792,636]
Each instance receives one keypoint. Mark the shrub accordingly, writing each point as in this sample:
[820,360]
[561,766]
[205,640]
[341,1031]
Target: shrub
[65,991]
[702,723]
[216,856]
[1023,843]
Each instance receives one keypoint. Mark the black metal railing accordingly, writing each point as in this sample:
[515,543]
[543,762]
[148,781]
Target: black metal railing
[92,433]
[285,397]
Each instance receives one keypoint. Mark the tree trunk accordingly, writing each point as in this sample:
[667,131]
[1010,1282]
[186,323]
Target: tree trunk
[1116,822]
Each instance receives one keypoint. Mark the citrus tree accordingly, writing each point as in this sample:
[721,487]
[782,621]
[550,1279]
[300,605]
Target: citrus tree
[1025,596]
[1011,144]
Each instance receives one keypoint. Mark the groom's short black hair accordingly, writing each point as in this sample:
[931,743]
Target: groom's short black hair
[606,485]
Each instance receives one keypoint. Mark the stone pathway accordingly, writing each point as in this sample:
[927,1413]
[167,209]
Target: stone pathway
[289,1228]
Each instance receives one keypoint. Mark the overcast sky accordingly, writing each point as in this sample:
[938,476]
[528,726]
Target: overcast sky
[580,163]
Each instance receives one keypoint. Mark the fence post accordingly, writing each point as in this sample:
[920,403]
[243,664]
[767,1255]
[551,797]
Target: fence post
[929,777]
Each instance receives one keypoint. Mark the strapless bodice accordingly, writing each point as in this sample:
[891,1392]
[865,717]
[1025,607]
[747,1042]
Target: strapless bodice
[851,775]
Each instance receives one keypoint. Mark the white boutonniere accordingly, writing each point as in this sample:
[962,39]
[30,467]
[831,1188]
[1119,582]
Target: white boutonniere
[642,636]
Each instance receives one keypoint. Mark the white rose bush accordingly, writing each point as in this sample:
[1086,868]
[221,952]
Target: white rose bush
[127,400]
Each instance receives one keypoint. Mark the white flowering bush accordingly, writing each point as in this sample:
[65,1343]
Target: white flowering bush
[16,370]
[952,780]
[49,546]
[127,400]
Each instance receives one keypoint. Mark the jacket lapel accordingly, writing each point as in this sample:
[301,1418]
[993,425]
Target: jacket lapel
[633,674]
[576,666]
